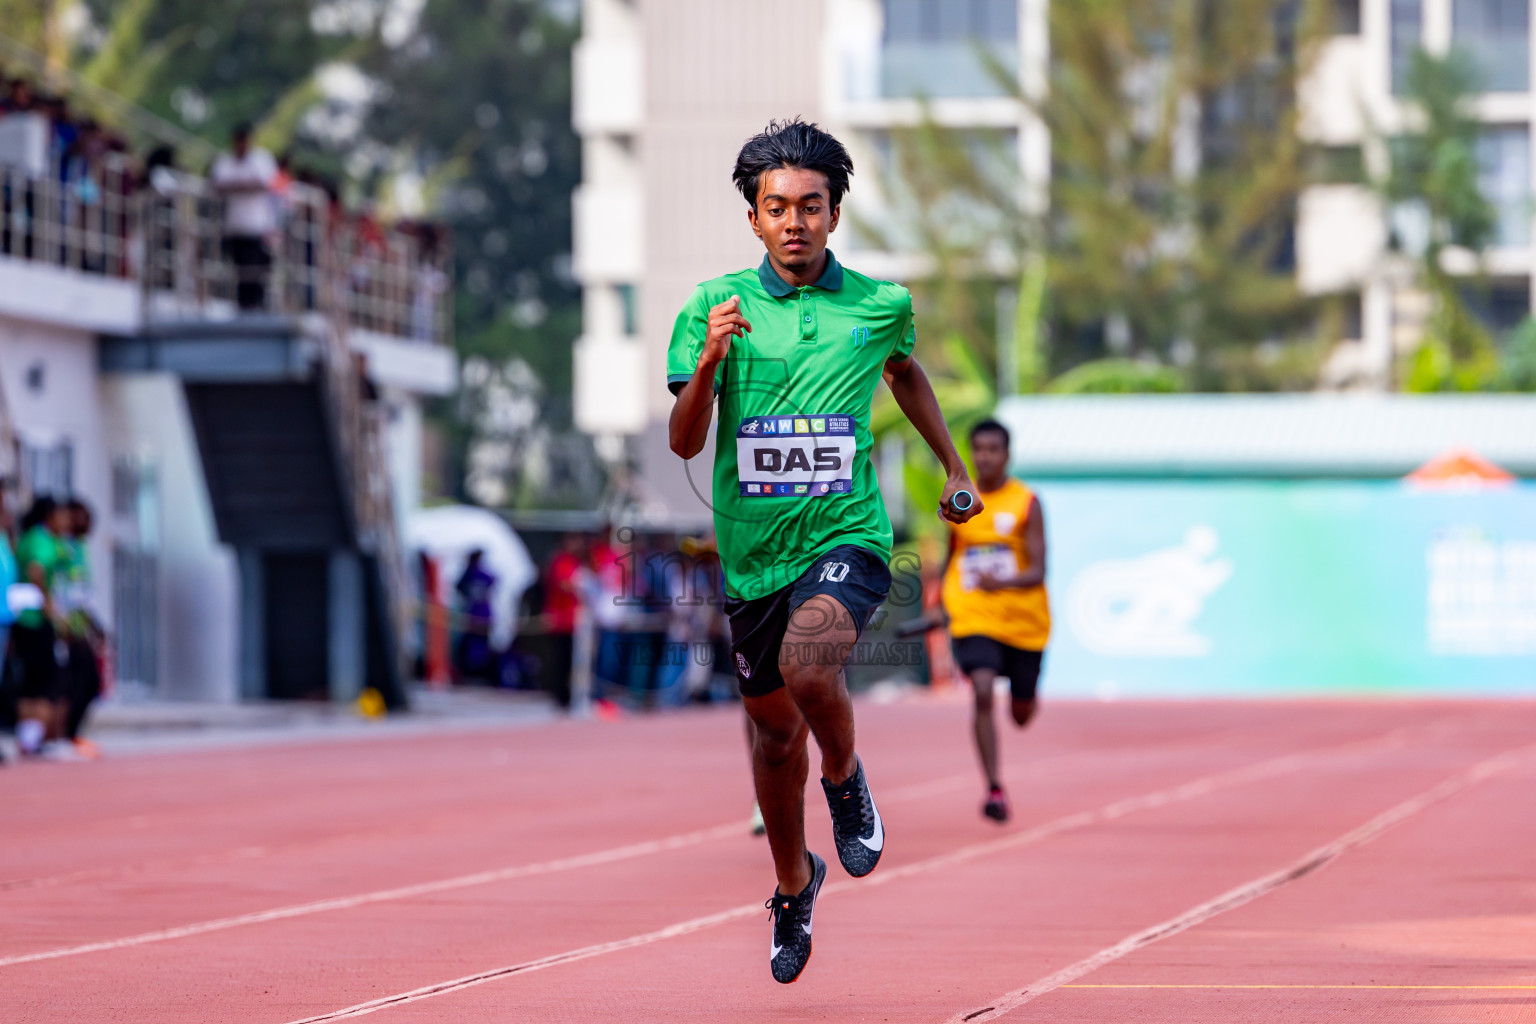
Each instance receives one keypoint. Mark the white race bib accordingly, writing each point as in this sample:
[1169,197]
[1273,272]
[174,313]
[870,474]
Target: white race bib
[986,559]
[795,456]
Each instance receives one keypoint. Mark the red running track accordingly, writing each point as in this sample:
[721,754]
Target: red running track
[1168,862]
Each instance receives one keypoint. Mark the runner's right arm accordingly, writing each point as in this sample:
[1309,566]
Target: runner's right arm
[688,428]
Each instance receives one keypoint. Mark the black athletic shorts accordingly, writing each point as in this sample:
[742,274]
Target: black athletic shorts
[854,575]
[1020,666]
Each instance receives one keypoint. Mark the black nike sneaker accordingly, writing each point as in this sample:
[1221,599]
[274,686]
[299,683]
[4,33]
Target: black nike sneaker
[996,806]
[791,948]
[856,826]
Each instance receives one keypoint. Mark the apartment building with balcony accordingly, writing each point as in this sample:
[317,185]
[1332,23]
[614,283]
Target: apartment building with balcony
[1347,241]
[666,91]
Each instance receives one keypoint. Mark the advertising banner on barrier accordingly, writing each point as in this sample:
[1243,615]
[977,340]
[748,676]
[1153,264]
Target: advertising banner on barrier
[1260,588]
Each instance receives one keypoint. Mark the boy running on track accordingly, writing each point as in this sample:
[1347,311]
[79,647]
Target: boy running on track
[994,595]
[793,350]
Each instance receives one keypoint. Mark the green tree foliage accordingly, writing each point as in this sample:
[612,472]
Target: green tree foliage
[1166,230]
[1176,169]
[1117,377]
[1518,372]
[207,65]
[1433,183]
[1160,255]
[28,22]
[477,102]
[126,62]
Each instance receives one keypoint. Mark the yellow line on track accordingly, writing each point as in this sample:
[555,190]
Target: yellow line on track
[1412,987]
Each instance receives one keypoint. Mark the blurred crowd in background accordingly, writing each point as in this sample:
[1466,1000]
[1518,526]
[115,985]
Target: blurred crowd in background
[609,617]
[633,619]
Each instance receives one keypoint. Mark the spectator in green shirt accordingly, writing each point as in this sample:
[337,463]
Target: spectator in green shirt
[41,559]
[9,577]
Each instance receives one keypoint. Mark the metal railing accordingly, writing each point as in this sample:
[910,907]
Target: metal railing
[381,538]
[169,234]
[82,222]
[193,268]
[397,284]
[357,432]
[318,259]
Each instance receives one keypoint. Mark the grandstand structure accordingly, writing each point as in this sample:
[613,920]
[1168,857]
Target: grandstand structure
[249,467]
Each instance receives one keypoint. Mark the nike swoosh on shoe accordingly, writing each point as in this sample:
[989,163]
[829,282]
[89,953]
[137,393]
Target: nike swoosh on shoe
[876,842]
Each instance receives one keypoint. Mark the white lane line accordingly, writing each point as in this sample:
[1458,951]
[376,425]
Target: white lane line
[585,860]
[601,857]
[1249,891]
[1082,819]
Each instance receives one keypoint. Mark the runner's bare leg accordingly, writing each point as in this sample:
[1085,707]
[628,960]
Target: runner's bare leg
[982,680]
[816,645]
[780,767]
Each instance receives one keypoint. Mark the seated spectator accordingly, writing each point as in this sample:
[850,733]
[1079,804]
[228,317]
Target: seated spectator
[65,132]
[563,581]
[430,284]
[84,636]
[244,177]
[40,557]
[85,160]
[160,171]
[473,658]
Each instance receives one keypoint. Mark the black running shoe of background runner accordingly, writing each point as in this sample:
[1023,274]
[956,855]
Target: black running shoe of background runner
[791,915]
[856,826]
[996,806]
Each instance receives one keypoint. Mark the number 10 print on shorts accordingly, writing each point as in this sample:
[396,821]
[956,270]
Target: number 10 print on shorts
[795,456]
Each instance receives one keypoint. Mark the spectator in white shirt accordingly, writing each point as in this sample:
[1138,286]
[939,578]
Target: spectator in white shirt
[244,177]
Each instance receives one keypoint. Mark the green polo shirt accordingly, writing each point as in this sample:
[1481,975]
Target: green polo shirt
[793,475]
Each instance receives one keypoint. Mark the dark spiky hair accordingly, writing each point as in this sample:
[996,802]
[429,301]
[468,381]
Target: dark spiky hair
[990,427]
[792,143]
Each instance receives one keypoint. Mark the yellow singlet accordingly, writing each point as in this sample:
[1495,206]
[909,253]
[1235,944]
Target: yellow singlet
[994,542]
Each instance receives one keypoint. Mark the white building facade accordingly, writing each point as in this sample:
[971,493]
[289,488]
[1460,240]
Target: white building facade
[1351,106]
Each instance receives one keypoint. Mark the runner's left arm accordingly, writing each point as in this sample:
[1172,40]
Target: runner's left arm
[1034,549]
[909,384]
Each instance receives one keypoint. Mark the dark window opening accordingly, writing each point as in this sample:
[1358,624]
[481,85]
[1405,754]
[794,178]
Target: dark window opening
[1500,305]
[1346,17]
[1495,37]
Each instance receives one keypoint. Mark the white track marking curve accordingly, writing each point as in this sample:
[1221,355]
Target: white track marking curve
[1109,812]
[1249,891]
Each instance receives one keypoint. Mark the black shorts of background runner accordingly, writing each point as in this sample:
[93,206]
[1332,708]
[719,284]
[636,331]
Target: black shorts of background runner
[34,648]
[855,576]
[1020,666]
